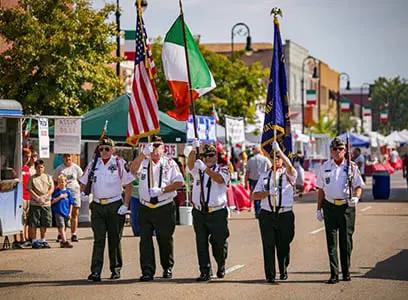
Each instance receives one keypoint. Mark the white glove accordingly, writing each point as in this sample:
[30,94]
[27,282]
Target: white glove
[196,143]
[319,215]
[200,165]
[275,146]
[353,201]
[122,210]
[155,192]
[84,197]
[148,149]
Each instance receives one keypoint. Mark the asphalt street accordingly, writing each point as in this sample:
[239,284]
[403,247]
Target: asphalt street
[379,261]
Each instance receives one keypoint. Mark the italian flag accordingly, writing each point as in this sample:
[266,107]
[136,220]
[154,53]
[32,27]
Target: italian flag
[344,105]
[366,111]
[311,97]
[175,69]
[384,116]
[130,44]
[214,114]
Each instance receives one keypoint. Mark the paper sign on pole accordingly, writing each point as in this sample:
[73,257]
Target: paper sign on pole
[235,130]
[43,137]
[67,136]
[206,127]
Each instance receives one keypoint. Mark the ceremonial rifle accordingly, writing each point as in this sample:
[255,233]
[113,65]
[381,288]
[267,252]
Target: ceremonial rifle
[91,173]
[349,168]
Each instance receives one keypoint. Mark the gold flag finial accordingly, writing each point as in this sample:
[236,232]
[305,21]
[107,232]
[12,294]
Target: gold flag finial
[276,11]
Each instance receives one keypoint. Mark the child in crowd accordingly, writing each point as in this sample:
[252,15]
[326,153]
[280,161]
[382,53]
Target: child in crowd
[40,185]
[62,203]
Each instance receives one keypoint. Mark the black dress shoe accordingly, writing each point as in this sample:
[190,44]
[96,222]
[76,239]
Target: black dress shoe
[333,280]
[203,277]
[115,275]
[271,280]
[146,277]
[346,277]
[167,273]
[283,276]
[95,277]
[221,272]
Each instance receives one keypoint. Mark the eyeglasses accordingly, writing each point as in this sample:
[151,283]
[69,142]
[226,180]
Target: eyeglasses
[106,149]
[209,155]
[338,149]
[157,145]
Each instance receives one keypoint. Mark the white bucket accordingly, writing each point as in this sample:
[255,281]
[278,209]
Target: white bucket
[186,217]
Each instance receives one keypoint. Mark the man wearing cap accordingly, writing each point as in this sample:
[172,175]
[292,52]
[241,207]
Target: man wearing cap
[108,208]
[159,178]
[276,219]
[338,207]
[210,215]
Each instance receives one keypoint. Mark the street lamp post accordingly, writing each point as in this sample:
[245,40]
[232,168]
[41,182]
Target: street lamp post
[117,14]
[338,98]
[361,104]
[243,30]
[314,76]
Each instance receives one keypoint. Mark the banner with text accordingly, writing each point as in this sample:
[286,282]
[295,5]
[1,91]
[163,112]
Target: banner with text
[206,127]
[43,137]
[169,149]
[67,137]
[234,130]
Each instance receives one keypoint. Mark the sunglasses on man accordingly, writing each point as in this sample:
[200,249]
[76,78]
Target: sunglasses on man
[338,148]
[209,155]
[157,145]
[106,149]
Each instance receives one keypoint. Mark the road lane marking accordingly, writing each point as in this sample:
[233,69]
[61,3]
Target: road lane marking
[233,268]
[366,208]
[317,230]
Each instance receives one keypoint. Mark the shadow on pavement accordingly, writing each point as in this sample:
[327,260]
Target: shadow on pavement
[394,268]
[74,282]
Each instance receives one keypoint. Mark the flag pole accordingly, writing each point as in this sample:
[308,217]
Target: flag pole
[275,12]
[202,200]
[274,172]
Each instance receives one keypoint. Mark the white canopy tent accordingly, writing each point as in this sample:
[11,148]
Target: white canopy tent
[395,138]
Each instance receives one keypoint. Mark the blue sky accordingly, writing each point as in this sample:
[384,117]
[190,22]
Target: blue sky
[364,38]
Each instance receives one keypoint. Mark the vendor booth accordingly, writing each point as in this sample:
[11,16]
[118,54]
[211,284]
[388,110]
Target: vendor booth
[11,186]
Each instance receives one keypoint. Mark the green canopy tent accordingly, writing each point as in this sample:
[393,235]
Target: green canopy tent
[116,112]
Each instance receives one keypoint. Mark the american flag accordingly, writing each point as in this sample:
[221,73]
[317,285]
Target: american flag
[143,115]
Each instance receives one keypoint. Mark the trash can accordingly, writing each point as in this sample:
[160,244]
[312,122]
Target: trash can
[186,217]
[381,185]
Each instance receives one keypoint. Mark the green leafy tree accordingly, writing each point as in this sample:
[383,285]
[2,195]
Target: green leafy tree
[347,123]
[238,85]
[392,95]
[324,126]
[58,62]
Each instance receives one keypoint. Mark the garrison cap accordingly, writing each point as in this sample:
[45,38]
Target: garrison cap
[157,139]
[107,142]
[209,148]
[337,142]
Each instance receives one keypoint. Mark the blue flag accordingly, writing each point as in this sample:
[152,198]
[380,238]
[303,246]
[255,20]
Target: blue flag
[277,102]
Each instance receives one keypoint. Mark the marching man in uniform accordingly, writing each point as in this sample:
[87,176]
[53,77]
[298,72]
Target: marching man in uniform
[276,221]
[338,207]
[210,215]
[157,209]
[108,209]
